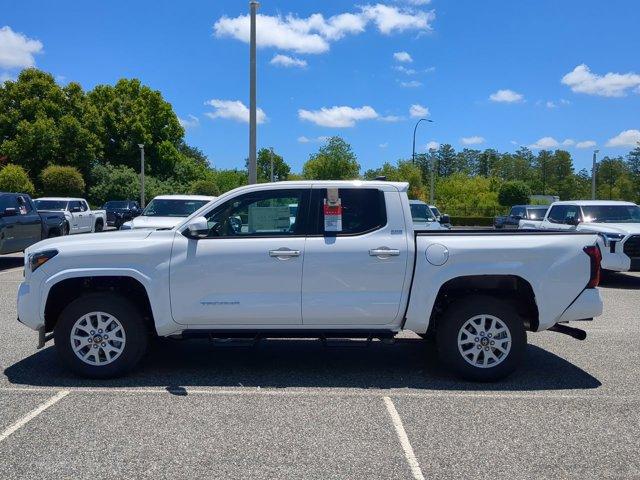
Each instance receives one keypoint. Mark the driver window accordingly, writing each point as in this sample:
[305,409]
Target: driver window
[259,214]
[572,213]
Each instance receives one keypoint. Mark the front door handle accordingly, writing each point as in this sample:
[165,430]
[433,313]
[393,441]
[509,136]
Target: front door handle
[284,253]
[384,252]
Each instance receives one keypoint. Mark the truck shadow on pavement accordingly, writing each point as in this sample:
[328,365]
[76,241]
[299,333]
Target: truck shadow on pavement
[623,281]
[408,363]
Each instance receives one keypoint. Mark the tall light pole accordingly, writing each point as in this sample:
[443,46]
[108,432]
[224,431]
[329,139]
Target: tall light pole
[413,155]
[593,175]
[141,147]
[253,170]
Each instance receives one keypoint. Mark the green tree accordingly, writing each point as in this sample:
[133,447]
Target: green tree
[61,181]
[403,171]
[114,182]
[281,170]
[230,179]
[13,178]
[335,160]
[465,195]
[633,164]
[205,187]
[447,161]
[514,193]
[613,180]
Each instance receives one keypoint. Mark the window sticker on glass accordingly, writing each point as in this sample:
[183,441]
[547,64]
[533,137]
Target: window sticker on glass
[332,211]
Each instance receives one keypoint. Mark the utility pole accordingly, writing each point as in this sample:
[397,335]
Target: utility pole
[141,147]
[271,150]
[593,175]
[253,170]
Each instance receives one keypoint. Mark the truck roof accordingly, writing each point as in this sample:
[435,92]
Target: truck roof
[585,203]
[62,199]
[381,184]
[184,197]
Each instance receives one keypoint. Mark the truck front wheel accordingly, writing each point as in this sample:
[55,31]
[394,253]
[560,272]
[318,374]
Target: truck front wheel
[100,335]
[481,338]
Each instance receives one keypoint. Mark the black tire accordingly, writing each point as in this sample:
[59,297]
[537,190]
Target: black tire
[65,229]
[99,226]
[125,312]
[451,324]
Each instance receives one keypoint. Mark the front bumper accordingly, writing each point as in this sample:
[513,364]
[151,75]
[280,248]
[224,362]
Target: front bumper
[28,307]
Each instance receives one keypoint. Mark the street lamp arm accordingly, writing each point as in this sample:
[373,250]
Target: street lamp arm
[413,154]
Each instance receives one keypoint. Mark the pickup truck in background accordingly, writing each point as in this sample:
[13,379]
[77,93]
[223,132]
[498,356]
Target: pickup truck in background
[79,216]
[348,264]
[121,211]
[166,211]
[522,216]
[423,217]
[617,225]
[21,225]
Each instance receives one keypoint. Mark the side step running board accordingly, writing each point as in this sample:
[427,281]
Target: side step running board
[571,331]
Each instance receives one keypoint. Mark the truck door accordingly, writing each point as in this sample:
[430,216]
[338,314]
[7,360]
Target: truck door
[29,221]
[9,228]
[354,272]
[248,269]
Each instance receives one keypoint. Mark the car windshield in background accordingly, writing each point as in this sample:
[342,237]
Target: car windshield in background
[172,208]
[536,213]
[421,213]
[435,211]
[50,204]
[611,213]
[115,204]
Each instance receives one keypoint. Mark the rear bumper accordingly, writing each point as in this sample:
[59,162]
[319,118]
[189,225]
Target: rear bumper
[587,305]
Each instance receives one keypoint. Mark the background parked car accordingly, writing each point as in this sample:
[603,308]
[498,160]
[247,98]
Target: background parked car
[21,225]
[443,218]
[79,216]
[532,214]
[423,217]
[166,211]
[120,211]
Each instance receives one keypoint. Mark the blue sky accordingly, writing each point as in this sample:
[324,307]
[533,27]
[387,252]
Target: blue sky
[493,74]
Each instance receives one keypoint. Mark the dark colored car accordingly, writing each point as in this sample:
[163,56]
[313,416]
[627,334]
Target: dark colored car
[21,225]
[521,212]
[120,211]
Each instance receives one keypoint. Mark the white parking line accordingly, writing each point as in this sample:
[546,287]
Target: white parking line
[33,414]
[404,440]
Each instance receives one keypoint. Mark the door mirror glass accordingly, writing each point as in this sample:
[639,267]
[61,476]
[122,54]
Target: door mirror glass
[445,218]
[572,221]
[197,228]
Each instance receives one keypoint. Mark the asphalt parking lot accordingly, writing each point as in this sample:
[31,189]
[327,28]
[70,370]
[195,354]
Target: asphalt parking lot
[298,409]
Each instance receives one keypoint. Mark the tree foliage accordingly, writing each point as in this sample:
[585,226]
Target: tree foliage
[62,181]
[13,178]
[335,160]
[281,170]
[403,171]
[205,187]
[113,182]
[514,192]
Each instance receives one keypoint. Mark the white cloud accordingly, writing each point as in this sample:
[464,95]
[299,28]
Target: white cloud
[506,96]
[391,118]
[416,110]
[384,145]
[287,61]
[586,144]
[17,50]
[233,110]
[320,139]
[403,57]
[568,142]
[627,138]
[314,34]
[338,117]
[475,140]
[432,145]
[411,84]
[551,104]
[403,69]
[191,122]
[582,80]
[545,143]
[418,2]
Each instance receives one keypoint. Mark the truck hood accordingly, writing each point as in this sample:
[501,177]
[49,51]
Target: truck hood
[151,223]
[624,228]
[95,240]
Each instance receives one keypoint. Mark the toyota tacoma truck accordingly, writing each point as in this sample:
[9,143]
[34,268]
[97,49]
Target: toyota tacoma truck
[79,216]
[616,223]
[347,264]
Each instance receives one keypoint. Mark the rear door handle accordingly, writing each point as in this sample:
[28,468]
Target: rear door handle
[384,252]
[284,253]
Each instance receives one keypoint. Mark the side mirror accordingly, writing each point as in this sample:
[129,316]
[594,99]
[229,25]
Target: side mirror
[573,221]
[445,218]
[10,212]
[517,217]
[75,209]
[197,228]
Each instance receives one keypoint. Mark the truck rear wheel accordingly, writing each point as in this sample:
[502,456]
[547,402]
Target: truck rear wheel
[100,335]
[481,338]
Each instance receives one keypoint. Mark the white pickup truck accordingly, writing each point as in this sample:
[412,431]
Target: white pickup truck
[79,216]
[235,269]
[616,223]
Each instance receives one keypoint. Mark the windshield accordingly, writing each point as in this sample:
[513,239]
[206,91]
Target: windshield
[611,213]
[421,213]
[536,213]
[172,208]
[50,204]
[435,211]
[116,204]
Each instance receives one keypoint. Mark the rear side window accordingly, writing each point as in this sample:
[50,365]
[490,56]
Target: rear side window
[8,201]
[363,210]
[557,214]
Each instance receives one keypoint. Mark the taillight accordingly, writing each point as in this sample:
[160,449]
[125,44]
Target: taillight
[596,256]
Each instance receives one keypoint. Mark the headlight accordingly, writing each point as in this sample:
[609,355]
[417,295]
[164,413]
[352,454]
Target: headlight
[36,260]
[611,237]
